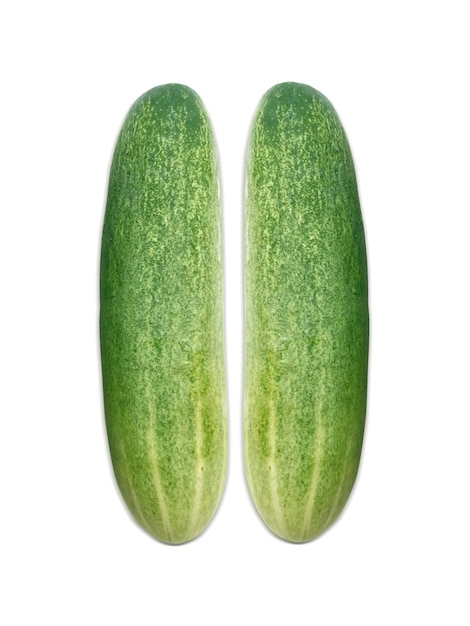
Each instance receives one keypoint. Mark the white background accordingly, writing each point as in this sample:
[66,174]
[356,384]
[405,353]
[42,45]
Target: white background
[397,73]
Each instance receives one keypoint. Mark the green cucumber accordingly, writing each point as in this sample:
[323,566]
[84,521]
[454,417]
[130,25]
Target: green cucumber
[161,316]
[306,306]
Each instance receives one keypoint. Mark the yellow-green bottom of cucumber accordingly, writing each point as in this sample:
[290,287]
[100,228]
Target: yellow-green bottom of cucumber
[306,307]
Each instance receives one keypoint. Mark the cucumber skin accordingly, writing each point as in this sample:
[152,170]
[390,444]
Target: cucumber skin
[306,311]
[161,316]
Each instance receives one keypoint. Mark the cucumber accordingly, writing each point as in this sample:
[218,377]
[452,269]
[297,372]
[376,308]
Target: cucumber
[161,316]
[306,314]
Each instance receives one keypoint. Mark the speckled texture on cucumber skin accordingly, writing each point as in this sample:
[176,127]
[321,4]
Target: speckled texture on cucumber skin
[307,325]
[161,317]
